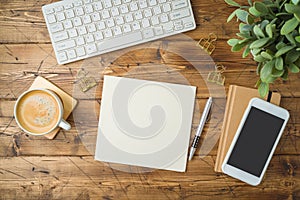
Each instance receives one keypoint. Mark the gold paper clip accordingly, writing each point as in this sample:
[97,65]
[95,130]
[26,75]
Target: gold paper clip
[85,82]
[208,44]
[216,76]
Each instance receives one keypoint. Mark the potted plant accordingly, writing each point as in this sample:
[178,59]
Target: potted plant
[270,31]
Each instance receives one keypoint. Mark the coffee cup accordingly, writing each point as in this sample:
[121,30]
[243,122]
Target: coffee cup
[39,112]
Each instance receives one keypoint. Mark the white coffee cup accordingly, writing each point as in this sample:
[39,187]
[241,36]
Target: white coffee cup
[39,112]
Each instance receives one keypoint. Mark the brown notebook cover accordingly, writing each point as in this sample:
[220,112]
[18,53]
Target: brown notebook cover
[237,102]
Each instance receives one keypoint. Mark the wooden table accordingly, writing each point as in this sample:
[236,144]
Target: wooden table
[38,168]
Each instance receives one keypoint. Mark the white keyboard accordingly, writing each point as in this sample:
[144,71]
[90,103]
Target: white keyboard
[83,28]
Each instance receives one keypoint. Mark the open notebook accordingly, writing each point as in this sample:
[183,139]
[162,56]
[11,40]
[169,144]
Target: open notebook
[145,123]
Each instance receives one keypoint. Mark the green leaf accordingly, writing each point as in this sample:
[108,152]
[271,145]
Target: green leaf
[266,71]
[279,63]
[292,56]
[246,51]
[263,89]
[244,35]
[297,16]
[295,1]
[277,73]
[285,75]
[254,12]
[232,42]
[259,58]
[269,30]
[255,51]
[289,26]
[293,68]
[250,2]
[245,27]
[291,8]
[261,7]
[297,38]
[258,32]
[283,50]
[238,47]
[249,19]
[266,55]
[231,16]
[232,3]
[258,69]
[290,38]
[259,43]
[242,15]
[280,45]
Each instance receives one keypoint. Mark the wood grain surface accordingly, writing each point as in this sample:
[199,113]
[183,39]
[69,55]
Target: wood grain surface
[64,168]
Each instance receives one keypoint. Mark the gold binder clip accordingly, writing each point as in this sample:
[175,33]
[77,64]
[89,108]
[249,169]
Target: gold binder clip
[216,76]
[85,82]
[208,44]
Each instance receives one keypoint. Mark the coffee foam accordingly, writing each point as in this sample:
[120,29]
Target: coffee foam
[38,112]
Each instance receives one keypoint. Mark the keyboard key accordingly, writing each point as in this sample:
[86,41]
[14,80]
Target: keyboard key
[105,14]
[124,9]
[134,6]
[129,18]
[62,56]
[51,19]
[49,11]
[179,4]
[119,41]
[145,23]
[117,2]
[91,48]
[60,36]
[78,3]
[56,27]
[79,11]
[107,3]
[65,45]
[68,6]
[98,6]
[158,30]
[119,20]
[166,7]
[115,11]
[179,14]
[82,30]
[95,17]
[91,28]
[154,20]
[127,28]
[88,9]
[152,2]
[107,33]
[77,21]
[138,15]
[60,16]
[69,14]
[98,36]
[71,54]
[80,41]
[143,3]
[68,24]
[87,19]
[148,33]
[101,25]
[117,31]
[72,33]
[110,22]
[156,10]
[164,18]
[147,13]
[59,8]
[136,25]
[89,38]
[80,51]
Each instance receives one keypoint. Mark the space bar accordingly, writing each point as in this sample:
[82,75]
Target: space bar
[120,41]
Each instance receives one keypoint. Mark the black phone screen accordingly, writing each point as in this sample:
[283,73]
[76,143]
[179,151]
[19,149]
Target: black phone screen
[255,141]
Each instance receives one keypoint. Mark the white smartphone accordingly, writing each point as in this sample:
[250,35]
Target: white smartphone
[255,141]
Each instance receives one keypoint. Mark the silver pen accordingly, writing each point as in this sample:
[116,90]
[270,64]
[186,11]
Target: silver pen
[200,127]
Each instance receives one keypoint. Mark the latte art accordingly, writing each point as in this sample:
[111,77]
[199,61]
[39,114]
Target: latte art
[38,112]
